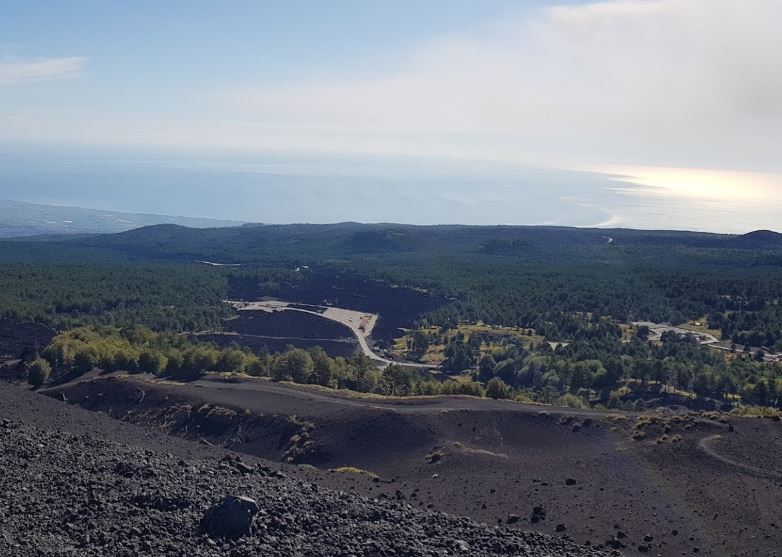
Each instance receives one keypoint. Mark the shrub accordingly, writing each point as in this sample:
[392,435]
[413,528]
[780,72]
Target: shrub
[572,401]
[39,372]
[294,365]
[152,362]
[497,388]
[427,388]
[452,387]
[256,366]
[85,359]
[756,412]
[523,397]
[231,359]
[370,382]
[354,470]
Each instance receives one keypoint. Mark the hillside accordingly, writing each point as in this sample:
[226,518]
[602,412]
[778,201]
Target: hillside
[18,219]
[662,482]
[759,239]
[88,486]
[318,243]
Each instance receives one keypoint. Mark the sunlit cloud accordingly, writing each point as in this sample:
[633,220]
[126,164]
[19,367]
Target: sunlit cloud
[691,83]
[665,82]
[42,69]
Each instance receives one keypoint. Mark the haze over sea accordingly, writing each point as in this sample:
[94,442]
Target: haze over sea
[314,189]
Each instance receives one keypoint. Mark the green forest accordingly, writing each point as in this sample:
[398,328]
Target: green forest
[140,350]
[601,368]
[567,285]
[164,297]
[584,373]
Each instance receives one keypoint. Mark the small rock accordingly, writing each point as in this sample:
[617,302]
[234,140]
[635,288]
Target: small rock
[230,518]
[570,481]
[243,468]
[614,543]
[538,514]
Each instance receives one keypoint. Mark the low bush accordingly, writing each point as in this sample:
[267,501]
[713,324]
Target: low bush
[572,401]
[39,372]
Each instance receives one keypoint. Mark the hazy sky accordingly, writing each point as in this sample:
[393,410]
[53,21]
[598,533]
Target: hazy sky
[639,113]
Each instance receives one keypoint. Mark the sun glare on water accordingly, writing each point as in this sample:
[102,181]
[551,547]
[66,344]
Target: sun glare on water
[693,183]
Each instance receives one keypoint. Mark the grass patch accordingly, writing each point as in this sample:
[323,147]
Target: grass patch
[482,452]
[757,412]
[354,470]
[700,326]
[435,353]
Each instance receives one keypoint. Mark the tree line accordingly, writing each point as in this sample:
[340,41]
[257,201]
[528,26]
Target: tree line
[599,366]
[138,349]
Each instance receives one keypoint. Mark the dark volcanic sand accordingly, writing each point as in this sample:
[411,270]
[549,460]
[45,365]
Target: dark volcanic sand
[493,459]
[259,344]
[67,490]
[276,331]
[398,307]
[21,338]
[287,324]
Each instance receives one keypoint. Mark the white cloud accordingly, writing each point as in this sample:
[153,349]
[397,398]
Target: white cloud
[42,69]
[673,82]
[690,83]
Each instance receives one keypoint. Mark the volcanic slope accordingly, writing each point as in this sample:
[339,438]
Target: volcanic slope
[663,483]
[67,490]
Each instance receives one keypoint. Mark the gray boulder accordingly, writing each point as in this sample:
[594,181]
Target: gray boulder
[231,518]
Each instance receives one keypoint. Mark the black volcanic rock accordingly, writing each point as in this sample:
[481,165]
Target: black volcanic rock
[231,518]
[77,493]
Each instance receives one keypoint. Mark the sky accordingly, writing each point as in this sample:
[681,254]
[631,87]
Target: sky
[634,113]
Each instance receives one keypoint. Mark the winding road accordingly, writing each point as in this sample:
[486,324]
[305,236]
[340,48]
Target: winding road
[351,319]
[362,341]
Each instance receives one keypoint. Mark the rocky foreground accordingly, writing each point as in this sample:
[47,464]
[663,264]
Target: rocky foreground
[77,493]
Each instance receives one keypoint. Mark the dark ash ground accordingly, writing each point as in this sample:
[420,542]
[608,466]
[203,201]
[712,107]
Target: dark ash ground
[66,490]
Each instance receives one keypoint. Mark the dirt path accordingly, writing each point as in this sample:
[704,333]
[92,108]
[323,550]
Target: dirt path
[246,393]
[362,340]
[705,445]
